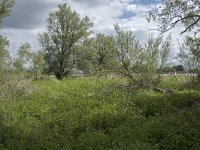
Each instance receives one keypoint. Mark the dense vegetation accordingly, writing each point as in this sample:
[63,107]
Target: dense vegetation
[123,99]
[96,113]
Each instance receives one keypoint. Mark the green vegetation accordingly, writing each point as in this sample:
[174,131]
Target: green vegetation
[65,30]
[5,8]
[121,102]
[94,113]
[174,12]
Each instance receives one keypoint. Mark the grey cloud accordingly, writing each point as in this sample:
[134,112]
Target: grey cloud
[29,14]
[147,2]
[91,3]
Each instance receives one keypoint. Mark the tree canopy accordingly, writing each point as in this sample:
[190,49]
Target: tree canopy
[5,8]
[4,53]
[65,29]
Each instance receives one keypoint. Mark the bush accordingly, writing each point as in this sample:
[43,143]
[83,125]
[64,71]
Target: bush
[13,86]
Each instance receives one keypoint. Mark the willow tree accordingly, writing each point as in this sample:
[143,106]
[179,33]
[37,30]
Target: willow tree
[65,30]
[189,56]
[140,62]
[5,9]
[105,52]
[23,58]
[185,12]
[4,53]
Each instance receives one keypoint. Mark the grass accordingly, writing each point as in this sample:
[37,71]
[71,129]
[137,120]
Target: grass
[89,113]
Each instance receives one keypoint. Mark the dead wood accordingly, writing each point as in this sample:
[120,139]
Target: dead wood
[172,134]
[164,91]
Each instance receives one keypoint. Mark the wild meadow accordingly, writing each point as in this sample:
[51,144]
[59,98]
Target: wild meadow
[100,113]
[83,85]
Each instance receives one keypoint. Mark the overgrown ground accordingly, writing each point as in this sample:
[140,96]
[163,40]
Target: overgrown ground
[95,114]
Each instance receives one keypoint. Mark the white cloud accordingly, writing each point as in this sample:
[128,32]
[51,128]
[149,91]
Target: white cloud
[21,36]
[131,7]
[103,13]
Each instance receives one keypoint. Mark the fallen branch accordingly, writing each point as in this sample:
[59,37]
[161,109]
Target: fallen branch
[164,91]
[172,134]
[192,102]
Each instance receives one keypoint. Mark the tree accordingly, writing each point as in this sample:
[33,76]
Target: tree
[105,52]
[65,29]
[178,68]
[129,52]
[194,44]
[189,55]
[4,53]
[186,12]
[24,58]
[29,61]
[86,54]
[140,63]
[5,8]
[158,50]
[173,12]
[98,54]
[37,63]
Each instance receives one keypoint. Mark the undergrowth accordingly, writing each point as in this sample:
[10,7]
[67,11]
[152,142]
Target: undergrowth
[90,113]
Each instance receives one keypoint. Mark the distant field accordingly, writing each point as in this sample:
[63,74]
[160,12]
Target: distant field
[96,114]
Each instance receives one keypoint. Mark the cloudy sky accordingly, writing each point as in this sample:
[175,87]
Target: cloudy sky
[28,18]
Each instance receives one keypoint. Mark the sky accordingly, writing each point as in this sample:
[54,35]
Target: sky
[28,19]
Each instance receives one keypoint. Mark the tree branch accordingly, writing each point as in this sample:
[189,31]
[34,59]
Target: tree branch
[191,25]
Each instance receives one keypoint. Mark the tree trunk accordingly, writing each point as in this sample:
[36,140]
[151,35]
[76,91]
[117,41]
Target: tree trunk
[198,78]
[59,76]
[175,75]
[36,76]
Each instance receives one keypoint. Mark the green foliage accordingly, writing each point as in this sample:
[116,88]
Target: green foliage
[4,53]
[190,58]
[105,52]
[170,69]
[5,8]
[28,63]
[11,86]
[89,113]
[173,12]
[38,63]
[188,55]
[93,113]
[64,31]
[97,55]
[158,50]
[140,63]
[23,59]
[193,44]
